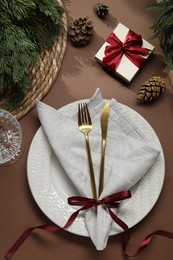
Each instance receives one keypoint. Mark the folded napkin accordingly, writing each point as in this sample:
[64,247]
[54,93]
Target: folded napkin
[128,156]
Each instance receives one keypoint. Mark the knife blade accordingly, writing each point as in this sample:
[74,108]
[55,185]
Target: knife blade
[104,127]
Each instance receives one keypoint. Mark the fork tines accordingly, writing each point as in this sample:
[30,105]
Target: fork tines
[83,114]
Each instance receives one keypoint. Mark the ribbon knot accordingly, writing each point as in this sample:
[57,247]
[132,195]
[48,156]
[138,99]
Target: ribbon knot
[131,48]
[111,201]
[123,48]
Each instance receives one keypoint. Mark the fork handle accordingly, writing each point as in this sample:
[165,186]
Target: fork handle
[93,185]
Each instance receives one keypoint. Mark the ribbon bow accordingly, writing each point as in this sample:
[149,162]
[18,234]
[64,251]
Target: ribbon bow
[111,201]
[131,48]
[86,203]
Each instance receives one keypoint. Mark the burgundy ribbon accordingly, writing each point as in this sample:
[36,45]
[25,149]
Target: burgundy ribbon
[86,203]
[131,48]
[107,202]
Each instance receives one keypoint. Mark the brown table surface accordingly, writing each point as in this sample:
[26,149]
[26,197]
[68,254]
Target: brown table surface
[79,76]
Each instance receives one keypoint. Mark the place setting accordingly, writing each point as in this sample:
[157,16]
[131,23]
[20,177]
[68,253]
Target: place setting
[68,146]
[91,168]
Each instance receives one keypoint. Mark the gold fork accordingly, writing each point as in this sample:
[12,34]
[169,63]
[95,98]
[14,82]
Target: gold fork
[85,126]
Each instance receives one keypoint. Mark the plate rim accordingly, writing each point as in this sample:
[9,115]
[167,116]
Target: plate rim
[71,228]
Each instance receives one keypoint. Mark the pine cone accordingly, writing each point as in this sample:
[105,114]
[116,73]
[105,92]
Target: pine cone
[101,10]
[80,31]
[151,90]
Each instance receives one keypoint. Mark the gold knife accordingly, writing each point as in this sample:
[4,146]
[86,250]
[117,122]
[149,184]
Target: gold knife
[104,127]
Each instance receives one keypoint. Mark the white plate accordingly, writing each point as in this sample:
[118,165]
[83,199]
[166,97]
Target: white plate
[50,186]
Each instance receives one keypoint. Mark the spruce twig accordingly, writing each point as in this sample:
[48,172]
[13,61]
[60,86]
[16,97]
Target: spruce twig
[163,28]
[27,28]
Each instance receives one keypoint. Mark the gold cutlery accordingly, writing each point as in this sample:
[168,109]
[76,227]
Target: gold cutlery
[85,126]
[104,126]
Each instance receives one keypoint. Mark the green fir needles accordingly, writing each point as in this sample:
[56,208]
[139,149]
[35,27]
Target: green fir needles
[163,28]
[26,28]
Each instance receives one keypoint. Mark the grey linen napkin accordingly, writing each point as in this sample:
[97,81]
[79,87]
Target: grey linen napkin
[128,156]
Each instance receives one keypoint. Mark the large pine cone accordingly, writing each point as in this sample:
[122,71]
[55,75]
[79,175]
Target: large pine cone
[151,90]
[80,31]
[101,10]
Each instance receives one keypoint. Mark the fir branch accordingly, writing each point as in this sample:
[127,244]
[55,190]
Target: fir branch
[17,9]
[54,12]
[163,28]
[27,27]
[17,53]
[41,31]
[4,19]
[45,25]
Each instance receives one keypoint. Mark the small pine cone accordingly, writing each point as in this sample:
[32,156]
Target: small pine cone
[80,31]
[151,90]
[101,10]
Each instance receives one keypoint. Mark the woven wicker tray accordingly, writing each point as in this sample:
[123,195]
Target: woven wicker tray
[43,77]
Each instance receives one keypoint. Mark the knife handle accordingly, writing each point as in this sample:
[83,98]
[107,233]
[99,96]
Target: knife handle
[101,181]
